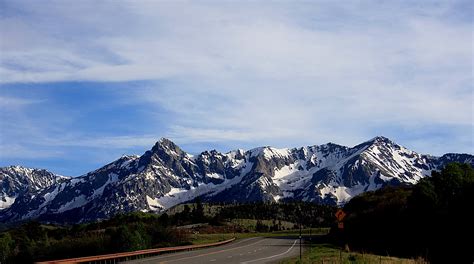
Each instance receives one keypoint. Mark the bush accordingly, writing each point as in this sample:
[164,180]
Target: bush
[6,247]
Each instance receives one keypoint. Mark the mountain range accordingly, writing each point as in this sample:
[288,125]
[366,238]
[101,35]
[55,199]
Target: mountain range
[166,176]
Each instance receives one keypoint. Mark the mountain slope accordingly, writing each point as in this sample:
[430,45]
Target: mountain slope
[166,175]
[16,180]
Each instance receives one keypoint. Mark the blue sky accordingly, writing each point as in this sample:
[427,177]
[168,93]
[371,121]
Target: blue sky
[83,82]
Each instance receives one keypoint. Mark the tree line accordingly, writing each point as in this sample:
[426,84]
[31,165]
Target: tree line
[431,219]
[35,241]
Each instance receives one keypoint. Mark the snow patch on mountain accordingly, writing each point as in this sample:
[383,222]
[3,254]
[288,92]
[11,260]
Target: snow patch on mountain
[215,176]
[6,201]
[74,203]
[166,176]
[153,204]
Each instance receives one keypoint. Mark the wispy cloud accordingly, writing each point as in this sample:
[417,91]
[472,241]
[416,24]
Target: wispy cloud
[252,73]
[12,103]
[24,152]
[109,142]
[280,41]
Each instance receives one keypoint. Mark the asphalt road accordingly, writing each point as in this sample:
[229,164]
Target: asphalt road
[251,250]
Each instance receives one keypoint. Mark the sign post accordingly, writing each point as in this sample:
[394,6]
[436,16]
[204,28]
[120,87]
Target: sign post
[340,214]
[340,217]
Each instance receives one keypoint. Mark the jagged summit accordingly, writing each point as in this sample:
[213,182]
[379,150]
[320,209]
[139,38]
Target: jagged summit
[17,180]
[380,139]
[166,175]
[166,145]
[165,142]
[377,141]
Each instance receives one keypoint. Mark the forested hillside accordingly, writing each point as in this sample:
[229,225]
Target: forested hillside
[429,220]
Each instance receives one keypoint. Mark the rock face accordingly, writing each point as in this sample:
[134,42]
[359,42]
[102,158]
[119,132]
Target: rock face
[166,175]
[16,180]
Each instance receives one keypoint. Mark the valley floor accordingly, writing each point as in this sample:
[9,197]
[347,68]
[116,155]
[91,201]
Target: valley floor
[275,247]
[253,250]
[328,253]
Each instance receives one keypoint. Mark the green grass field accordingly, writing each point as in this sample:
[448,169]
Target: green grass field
[252,223]
[197,239]
[327,253]
[210,238]
[317,253]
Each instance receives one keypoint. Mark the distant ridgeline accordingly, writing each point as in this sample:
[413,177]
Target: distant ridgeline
[166,176]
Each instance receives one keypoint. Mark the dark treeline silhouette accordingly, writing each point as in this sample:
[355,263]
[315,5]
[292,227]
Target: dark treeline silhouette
[431,219]
[34,241]
[308,214]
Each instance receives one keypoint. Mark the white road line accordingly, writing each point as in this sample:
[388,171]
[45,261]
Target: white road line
[212,253]
[186,252]
[250,261]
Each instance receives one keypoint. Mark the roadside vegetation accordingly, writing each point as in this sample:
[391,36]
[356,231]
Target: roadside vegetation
[430,220]
[329,253]
[191,224]
[203,238]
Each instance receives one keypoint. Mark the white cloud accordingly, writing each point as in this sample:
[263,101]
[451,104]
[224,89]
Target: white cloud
[11,103]
[106,142]
[17,151]
[194,135]
[254,72]
[169,40]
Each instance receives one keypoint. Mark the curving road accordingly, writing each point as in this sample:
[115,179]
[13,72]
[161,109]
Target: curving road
[251,250]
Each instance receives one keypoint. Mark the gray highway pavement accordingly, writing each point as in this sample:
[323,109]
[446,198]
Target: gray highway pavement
[255,250]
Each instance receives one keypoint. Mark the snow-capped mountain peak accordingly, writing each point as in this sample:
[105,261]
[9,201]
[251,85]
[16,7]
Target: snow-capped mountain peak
[166,175]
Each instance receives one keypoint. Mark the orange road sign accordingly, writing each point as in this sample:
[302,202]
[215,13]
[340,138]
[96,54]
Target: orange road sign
[340,215]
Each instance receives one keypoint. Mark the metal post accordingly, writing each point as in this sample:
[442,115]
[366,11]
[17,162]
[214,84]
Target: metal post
[300,240]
